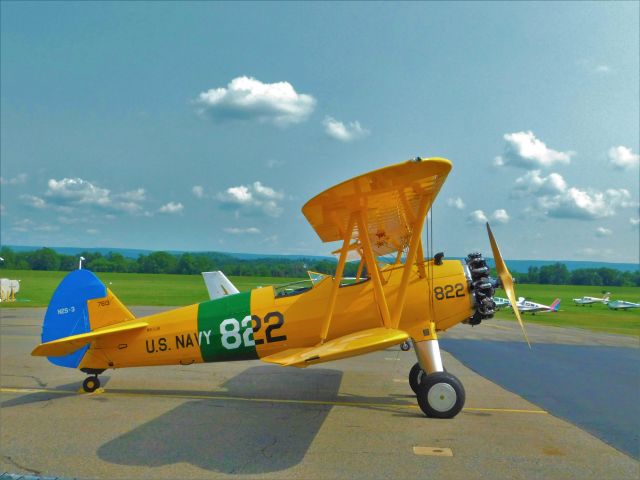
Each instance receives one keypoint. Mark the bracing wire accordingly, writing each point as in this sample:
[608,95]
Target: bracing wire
[430,254]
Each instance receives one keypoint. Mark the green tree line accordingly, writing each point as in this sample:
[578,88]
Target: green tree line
[559,274]
[163,262]
[194,263]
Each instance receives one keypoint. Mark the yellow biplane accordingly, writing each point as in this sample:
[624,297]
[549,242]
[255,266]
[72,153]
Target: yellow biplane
[381,213]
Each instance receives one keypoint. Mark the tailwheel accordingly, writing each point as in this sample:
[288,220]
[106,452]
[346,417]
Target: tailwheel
[415,375]
[405,347]
[91,384]
[440,395]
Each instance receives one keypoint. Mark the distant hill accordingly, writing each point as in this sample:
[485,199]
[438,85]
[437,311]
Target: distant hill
[521,266]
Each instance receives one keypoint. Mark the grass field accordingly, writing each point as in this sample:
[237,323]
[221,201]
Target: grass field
[36,287]
[167,290]
[597,317]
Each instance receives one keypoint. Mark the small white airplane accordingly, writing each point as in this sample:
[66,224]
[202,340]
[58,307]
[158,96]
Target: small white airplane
[501,302]
[218,285]
[591,300]
[622,305]
[526,306]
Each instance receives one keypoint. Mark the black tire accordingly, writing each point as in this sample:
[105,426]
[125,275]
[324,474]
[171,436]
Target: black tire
[415,375]
[91,384]
[405,347]
[440,395]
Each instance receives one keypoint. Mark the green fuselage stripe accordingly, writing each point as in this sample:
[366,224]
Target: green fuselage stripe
[224,329]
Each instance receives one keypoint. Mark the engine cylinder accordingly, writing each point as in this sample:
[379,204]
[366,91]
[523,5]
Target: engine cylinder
[482,288]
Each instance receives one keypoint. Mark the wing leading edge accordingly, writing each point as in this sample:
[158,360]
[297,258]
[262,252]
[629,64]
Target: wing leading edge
[357,343]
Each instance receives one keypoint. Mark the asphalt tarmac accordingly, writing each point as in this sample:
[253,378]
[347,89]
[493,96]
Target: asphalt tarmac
[355,418]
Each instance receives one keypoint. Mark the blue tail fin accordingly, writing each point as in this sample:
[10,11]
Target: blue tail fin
[68,314]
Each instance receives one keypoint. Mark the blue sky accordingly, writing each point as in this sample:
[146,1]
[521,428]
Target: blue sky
[206,126]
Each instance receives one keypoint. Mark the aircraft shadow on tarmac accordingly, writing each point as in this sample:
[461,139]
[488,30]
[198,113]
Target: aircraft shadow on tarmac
[241,437]
[59,392]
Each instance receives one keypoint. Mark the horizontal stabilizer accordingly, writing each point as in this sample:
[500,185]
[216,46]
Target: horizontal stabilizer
[350,345]
[67,345]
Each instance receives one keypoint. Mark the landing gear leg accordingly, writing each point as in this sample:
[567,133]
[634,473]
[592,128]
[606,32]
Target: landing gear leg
[439,394]
[91,384]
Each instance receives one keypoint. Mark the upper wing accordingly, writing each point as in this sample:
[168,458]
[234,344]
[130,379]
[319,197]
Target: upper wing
[390,198]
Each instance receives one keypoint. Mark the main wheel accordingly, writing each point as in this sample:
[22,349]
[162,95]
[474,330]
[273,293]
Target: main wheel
[91,384]
[440,395]
[415,375]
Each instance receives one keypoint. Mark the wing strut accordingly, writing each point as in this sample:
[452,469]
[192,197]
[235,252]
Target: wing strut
[372,266]
[415,244]
[344,251]
[360,268]
[408,212]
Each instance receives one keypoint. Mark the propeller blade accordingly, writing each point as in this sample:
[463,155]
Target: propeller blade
[506,280]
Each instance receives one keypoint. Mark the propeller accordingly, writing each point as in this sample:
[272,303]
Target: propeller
[506,280]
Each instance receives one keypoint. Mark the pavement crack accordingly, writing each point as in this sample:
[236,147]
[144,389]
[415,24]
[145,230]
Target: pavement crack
[263,450]
[22,467]
[37,379]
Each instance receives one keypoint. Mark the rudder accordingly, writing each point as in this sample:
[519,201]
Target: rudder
[80,304]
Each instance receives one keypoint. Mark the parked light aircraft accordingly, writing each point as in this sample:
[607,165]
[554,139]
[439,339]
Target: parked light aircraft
[501,302]
[591,300]
[622,305]
[381,212]
[525,306]
[8,289]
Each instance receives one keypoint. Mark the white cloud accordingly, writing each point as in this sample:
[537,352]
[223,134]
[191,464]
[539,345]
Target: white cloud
[77,190]
[603,69]
[273,163]
[603,232]
[533,183]
[22,225]
[240,195]
[198,191]
[477,216]
[344,132]
[47,228]
[601,253]
[68,193]
[171,208]
[267,192]
[33,201]
[240,231]
[585,204]
[246,98]
[137,195]
[273,239]
[456,202]
[17,180]
[252,199]
[634,222]
[623,158]
[553,197]
[92,231]
[523,149]
[500,216]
